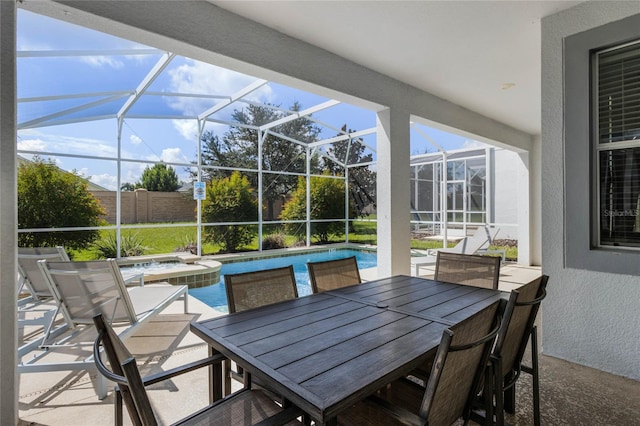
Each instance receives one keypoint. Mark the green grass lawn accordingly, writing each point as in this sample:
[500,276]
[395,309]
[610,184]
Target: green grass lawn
[153,240]
[171,239]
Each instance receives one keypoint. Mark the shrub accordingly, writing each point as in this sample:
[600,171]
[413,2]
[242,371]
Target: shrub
[327,202]
[190,246]
[274,241]
[49,197]
[130,245]
[230,199]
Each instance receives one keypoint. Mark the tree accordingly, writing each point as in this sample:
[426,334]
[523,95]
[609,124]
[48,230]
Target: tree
[362,180]
[230,199]
[238,148]
[127,186]
[49,197]
[160,178]
[327,202]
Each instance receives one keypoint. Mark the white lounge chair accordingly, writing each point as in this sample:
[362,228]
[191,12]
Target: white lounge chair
[35,315]
[30,277]
[478,243]
[85,289]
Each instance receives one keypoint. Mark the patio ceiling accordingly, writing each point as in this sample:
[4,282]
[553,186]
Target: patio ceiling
[482,55]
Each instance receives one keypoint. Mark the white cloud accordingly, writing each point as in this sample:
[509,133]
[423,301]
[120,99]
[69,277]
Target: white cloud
[173,155]
[102,61]
[473,144]
[188,129]
[132,172]
[31,145]
[202,78]
[84,172]
[68,145]
[106,181]
[136,140]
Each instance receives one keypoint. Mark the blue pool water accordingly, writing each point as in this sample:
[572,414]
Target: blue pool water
[215,296]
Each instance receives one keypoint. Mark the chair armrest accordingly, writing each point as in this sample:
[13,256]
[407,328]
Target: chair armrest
[133,279]
[159,377]
[165,375]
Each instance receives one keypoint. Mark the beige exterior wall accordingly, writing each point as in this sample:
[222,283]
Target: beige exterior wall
[142,206]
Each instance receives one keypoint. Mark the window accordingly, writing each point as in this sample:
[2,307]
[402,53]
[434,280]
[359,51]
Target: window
[599,152]
[616,109]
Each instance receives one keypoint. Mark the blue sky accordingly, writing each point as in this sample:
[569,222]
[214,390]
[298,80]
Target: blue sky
[43,75]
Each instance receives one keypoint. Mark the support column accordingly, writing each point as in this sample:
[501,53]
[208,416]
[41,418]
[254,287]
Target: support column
[8,216]
[535,202]
[524,212]
[393,193]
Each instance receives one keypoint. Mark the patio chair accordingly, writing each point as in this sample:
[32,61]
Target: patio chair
[248,290]
[84,289]
[511,343]
[247,406]
[468,269]
[31,278]
[454,380]
[253,289]
[32,309]
[333,274]
[478,243]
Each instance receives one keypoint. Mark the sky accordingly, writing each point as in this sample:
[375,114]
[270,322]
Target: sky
[50,79]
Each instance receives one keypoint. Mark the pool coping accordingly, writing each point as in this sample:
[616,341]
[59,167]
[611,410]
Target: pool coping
[289,251]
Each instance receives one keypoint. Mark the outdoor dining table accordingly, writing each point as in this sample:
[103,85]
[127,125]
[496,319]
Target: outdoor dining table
[327,351]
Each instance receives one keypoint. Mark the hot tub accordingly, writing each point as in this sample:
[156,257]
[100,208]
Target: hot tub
[175,268]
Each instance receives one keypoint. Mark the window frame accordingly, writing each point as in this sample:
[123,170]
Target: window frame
[579,218]
[600,146]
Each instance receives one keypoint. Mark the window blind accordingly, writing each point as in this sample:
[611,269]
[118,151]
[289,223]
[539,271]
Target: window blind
[619,94]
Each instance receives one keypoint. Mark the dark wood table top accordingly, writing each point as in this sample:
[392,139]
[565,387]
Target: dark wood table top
[326,351]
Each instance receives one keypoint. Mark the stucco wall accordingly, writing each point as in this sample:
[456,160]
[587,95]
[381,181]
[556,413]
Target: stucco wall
[8,217]
[590,318]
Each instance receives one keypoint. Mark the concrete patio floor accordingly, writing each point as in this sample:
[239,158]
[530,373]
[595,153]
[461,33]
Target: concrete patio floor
[571,394]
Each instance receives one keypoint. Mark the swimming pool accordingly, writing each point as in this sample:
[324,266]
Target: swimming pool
[215,296]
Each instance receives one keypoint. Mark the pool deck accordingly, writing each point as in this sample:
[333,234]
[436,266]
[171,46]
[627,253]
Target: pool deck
[68,398]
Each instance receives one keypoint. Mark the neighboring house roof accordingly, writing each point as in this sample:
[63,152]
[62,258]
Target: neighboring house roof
[185,187]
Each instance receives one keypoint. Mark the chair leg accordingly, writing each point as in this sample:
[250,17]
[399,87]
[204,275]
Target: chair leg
[226,374]
[499,394]
[119,421]
[101,386]
[216,379]
[509,400]
[536,376]
[489,390]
